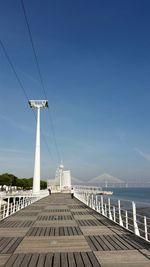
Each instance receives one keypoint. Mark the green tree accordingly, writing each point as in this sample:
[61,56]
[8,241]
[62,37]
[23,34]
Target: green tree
[43,184]
[25,183]
[5,179]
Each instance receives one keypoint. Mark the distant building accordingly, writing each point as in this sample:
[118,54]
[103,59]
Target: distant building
[52,183]
[62,180]
[66,181]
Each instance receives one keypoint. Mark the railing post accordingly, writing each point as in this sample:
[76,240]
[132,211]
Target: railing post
[114,213]
[24,202]
[14,203]
[90,204]
[92,200]
[145,227]
[7,212]
[11,208]
[87,199]
[20,203]
[99,207]
[102,205]
[136,230]
[96,207]
[17,205]
[119,211]
[126,215]
[4,211]
[109,210]
[105,208]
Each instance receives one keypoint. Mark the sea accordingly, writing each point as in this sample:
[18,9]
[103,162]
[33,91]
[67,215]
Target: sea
[141,196]
[132,194]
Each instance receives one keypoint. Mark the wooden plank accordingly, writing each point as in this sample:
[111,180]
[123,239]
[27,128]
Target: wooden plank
[86,259]
[57,231]
[11,260]
[48,260]
[19,260]
[3,240]
[26,260]
[66,231]
[47,244]
[91,244]
[126,258]
[74,231]
[70,231]
[36,230]
[130,241]
[34,260]
[13,232]
[64,260]
[97,243]
[30,231]
[101,243]
[41,260]
[105,241]
[10,248]
[61,230]
[56,223]
[71,260]
[3,259]
[47,229]
[6,242]
[26,223]
[79,232]
[120,243]
[124,242]
[93,259]
[112,242]
[78,259]
[43,231]
[56,262]
[38,233]
[52,233]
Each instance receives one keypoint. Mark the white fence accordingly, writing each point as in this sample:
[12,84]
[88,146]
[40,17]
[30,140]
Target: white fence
[127,218]
[11,204]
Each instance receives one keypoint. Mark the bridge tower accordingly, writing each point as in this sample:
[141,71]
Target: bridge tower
[38,104]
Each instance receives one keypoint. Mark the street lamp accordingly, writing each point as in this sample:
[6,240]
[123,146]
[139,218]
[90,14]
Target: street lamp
[38,104]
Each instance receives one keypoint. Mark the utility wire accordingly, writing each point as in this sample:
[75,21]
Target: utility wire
[41,78]
[13,69]
[21,85]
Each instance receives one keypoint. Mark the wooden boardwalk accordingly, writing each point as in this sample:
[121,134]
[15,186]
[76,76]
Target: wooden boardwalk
[60,232]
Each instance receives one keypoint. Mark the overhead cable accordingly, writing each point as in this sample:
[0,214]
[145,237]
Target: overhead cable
[40,77]
[21,85]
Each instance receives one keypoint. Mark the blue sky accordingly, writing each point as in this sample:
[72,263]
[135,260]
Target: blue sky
[95,62]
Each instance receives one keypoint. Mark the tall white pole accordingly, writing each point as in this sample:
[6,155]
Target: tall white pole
[36,177]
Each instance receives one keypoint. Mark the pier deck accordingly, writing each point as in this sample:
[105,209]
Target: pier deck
[58,231]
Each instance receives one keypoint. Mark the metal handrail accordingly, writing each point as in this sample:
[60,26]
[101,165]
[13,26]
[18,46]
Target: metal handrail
[117,214]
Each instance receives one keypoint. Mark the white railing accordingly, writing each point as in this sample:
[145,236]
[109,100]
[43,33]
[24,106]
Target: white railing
[87,189]
[11,204]
[126,218]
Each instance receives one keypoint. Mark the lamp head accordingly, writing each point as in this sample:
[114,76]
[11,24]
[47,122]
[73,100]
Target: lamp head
[38,103]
